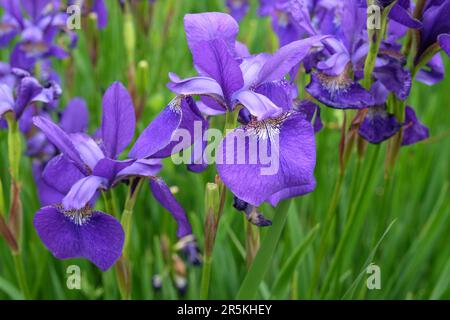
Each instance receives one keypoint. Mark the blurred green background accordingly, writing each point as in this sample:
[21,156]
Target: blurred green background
[413,254]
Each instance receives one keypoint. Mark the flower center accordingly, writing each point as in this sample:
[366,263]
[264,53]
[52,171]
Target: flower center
[267,128]
[175,104]
[79,217]
[334,84]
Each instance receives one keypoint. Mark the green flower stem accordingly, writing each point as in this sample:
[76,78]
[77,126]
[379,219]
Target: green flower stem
[206,277]
[123,266]
[128,212]
[354,209]
[375,37]
[110,205]
[15,217]
[260,265]
[18,264]
[213,218]
[324,240]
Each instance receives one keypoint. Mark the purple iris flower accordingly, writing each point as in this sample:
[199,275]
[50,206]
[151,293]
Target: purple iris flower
[70,182]
[334,82]
[257,83]
[290,19]
[38,23]
[25,90]
[378,125]
[436,26]
[238,8]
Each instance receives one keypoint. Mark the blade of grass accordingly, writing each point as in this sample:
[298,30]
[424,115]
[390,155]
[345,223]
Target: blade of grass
[288,269]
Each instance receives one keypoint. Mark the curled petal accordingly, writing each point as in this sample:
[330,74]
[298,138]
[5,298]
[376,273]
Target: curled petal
[414,131]
[60,139]
[259,105]
[82,192]
[87,148]
[162,193]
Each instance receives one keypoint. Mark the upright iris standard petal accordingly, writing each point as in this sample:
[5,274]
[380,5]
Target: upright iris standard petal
[87,148]
[210,26]
[118,120]
[95,236]
[214,59]
[338,92]
[413,131]
[82,192]
[162,193]
[436,26]
[277,154]
[378,125]
[75,117]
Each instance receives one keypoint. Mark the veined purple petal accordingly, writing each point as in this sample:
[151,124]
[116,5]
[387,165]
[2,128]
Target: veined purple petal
[99,238]
[75,117]
[259,106]
[60,139]
[292,192]
[286,159]
[210,26]
[413,131]
[162,194]
[339,92]
[118,120]
[286,58]
[82,192]
[378,125]
[215,60]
